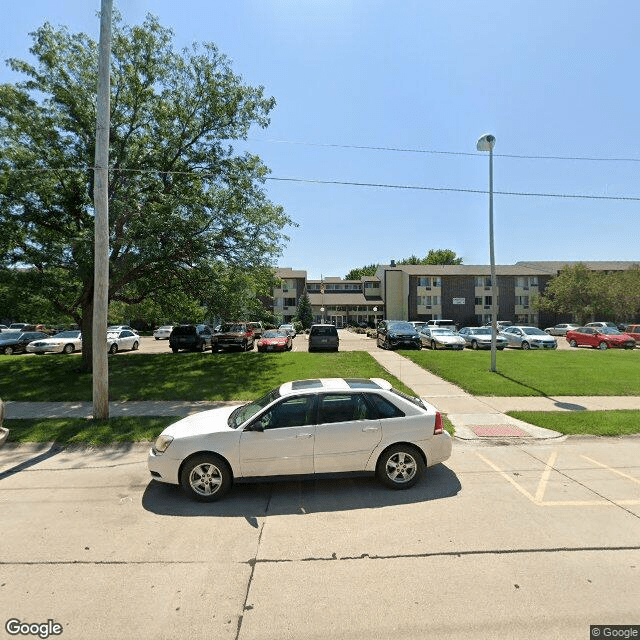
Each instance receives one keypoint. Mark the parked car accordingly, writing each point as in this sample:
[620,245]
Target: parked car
[3,327]
[257,329]
[121,327]
[303,427]
[289,328]
[192,337]
[63,342]
[480,338]
[602,324]
[392,334]
[274,340]
[450,324]
[323,336]
[528,338]
[441,338]
[119,340]
[500,324]
[16,341]
[600,338]
[634,331]
[163,332]
[561,329]
[418,324]
[236,335]
[21,326]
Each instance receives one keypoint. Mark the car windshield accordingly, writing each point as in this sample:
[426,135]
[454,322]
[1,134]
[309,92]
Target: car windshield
[242,414]
[286,326]
[481,332]
[273,334]
[609,331]
[233,328]
[67,334]
[534,331]
[401,326]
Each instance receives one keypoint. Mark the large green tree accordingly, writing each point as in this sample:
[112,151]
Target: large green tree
[181,198]
[434,256]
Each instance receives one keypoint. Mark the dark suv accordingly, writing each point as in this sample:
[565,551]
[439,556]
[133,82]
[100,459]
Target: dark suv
[397,333]
[323,336]
[192,337]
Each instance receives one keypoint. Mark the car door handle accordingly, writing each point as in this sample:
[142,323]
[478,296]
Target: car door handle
[304,435]
[370,428]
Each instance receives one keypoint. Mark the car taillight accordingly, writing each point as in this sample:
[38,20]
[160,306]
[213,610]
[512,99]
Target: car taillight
[438,428]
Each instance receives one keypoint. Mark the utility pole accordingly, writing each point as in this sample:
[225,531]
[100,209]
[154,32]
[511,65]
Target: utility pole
[101,221]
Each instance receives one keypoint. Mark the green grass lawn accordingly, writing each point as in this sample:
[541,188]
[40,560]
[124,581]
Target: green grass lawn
[66,431]
[599,423]
[536,373]
[180,376]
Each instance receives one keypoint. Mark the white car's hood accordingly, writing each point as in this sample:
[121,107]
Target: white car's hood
[448,339]
[212,421]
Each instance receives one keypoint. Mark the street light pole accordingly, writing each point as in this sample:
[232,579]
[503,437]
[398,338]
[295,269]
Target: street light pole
[486,143]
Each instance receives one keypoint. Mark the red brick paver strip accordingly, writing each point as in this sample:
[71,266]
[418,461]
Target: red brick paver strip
[490,430]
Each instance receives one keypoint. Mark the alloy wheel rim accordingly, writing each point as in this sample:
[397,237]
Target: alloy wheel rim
[205,479]
[401,467]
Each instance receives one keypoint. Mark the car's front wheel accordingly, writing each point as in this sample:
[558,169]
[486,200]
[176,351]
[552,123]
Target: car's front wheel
[603,346]
[113,348]
[206,477]
[434,345]
[573,343]
[68,348]
[474,345]
[399,467]
[135,346]
[8,351]
[525,345]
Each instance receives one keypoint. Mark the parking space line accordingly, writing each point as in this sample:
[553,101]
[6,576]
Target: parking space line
[544,480]
[604,466]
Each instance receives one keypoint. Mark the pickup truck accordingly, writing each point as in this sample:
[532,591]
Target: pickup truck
[236,335]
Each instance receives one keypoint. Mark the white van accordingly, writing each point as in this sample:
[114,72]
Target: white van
[449,324]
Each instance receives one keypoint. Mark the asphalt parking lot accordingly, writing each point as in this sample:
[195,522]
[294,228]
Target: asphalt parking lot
[528,541]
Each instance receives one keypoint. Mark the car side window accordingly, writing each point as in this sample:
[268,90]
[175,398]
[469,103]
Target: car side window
[291,412]
[343,407]
[383,407]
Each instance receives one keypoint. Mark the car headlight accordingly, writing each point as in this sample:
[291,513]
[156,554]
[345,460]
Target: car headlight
[393,335]
[162,443]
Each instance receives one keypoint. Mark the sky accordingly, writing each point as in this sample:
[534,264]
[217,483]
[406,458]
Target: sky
[423,79]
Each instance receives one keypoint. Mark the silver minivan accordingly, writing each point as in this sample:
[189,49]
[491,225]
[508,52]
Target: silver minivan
[323,337]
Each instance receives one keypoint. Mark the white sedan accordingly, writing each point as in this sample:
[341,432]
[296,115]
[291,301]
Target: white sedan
[119,340]
[163,333]
[441,338]
[306,427]
[63,342]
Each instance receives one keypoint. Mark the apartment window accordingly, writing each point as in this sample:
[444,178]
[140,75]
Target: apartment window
[289,302]
[533,281]
[523,301]
[424,281]
[371,285]
[436,282]
[483,281]
[478,301]
[487,301]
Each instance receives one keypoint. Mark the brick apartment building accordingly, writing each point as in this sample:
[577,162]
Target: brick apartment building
[461,293]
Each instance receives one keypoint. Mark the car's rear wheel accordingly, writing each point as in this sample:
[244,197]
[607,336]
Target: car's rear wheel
[433,344]
[525,345]
[8,351]
[399,467]
[474,345]
[573,343]
[603,346]
[135,346]
[68,348]
[206,477]
[113,348]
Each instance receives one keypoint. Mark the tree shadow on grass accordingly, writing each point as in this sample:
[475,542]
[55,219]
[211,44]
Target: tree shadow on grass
[252,500]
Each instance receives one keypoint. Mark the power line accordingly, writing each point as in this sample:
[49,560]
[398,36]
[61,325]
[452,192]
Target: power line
[457,190]
[378,185]
[447,153]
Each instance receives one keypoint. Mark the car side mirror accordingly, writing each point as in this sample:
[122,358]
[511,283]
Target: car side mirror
[256,426]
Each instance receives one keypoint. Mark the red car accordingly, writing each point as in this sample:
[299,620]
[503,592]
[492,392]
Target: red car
[634,331]
[600,338]
[274,340]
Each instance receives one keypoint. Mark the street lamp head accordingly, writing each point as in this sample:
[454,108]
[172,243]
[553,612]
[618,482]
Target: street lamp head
[486,142]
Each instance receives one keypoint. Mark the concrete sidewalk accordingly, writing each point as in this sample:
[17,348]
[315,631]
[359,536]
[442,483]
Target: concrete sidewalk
[473,417]
[478,417]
